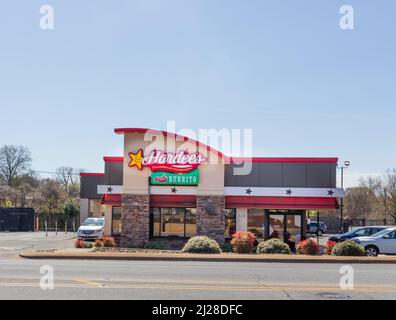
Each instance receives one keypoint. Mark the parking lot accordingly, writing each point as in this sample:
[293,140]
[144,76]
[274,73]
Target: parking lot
[12,243]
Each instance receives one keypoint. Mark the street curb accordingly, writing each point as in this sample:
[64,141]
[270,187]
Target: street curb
[206,258]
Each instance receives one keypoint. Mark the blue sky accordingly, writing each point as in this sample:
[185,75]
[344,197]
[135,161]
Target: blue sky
[282,68]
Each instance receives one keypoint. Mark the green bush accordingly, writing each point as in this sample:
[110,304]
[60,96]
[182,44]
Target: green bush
[347,248]
[227,247]
[154,245]
[88,245]
[201,244]
[273,246]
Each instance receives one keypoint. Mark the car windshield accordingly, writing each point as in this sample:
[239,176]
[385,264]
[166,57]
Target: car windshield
[382,232]
[91,222]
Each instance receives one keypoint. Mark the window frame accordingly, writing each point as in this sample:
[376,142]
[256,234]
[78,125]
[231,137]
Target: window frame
[112,220]
[159,236]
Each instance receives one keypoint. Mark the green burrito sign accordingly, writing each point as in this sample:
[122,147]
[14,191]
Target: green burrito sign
[167,178]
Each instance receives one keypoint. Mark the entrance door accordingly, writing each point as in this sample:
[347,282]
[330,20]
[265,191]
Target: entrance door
[284,225]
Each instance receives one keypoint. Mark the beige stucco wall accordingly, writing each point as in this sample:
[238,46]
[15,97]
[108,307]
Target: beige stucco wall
[96,208]
[137,182]
[84,209]
[108,215]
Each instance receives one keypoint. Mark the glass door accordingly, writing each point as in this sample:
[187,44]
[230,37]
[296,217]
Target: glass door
[277,226]
[293,228]
[286,225]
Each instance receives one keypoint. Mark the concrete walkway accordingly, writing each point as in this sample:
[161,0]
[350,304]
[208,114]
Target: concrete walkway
[87,254]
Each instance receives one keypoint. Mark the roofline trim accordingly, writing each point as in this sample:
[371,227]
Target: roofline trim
[91,174]
[113,159]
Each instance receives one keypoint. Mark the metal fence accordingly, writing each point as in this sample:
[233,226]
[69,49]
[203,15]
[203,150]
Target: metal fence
[55,222]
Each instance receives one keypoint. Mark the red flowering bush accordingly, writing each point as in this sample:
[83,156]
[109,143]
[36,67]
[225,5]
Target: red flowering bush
[108,242]
[243,241]
[309,247]
[329,247]
[79,243]
[98,243]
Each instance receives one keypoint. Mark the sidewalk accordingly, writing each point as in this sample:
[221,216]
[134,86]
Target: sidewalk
[86,254]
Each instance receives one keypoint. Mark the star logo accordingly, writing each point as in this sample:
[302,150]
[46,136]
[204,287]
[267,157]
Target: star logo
[136,159]
[249,191]
[330,193]
[109,189]
[173,190]
[289,192]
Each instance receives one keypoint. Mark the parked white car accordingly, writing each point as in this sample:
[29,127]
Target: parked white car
[91,229]
[380,242]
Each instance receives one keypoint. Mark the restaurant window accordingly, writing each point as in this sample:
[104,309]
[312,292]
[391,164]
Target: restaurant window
[230,223]
[116,221]
[179,222]
[256,222]
[191,222]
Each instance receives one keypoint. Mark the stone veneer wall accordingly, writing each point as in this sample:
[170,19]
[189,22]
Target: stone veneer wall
[211,217]
[135,220]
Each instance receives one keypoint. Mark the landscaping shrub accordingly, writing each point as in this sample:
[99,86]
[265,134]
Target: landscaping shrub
[155,245]
[98,243]
[243,241]
[227,247]
[79,243]
[201,244]
[309,247]
[108,242]
[273,246]
[88,245]
[329,247]
[348,248]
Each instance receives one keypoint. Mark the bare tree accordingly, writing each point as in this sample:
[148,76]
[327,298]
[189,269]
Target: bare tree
[390,194]
[14,160]
[68,179]
[6,196]
[359,202]
[52,196]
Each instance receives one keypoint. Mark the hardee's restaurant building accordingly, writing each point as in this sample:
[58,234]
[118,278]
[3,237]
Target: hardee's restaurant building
[168,187]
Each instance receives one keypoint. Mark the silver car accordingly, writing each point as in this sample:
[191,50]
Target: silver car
[91,229]
[380,242]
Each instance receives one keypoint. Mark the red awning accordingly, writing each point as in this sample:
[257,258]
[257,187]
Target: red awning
[190,201]
[111,199]
[281,202]
[185,201]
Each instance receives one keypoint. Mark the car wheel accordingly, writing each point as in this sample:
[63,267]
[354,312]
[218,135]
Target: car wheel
[320,232]
[371,251]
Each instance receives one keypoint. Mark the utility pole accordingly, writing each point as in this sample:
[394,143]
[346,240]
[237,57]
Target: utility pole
[342,202]
[346,165]
[385,205]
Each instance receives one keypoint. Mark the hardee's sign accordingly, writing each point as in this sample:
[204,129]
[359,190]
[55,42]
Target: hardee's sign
[157,160]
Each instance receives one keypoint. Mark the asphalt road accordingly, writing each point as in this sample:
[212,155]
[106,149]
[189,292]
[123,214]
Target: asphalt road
[79,279]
